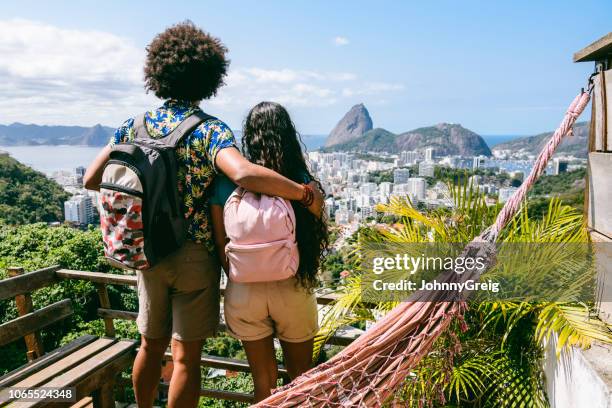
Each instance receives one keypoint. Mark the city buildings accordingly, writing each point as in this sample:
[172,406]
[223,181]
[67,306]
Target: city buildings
[505,193]
[79,209]
[426,169]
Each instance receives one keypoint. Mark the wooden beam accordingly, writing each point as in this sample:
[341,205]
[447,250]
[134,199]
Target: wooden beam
[34,344]
[98,277]
[27,282]
[91,374]
[16,328]
[225,363]
[45,361]
[343,337]
[116,314]
[109,327]
[50,372]
[596,50]
[220,394]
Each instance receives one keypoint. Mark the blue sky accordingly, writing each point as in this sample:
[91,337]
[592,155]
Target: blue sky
[495,67]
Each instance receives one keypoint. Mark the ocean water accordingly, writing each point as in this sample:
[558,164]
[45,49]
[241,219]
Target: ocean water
[493,140]
[48,159]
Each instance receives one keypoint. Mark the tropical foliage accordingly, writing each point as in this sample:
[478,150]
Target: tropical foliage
[492,358]
[27,196]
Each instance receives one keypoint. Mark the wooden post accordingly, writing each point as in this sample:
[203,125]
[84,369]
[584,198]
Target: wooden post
[105,396]
[24,306]
[109,326]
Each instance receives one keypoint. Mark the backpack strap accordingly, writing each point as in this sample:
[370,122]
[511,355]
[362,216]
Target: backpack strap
[140,129]
[186,127]
[173,138]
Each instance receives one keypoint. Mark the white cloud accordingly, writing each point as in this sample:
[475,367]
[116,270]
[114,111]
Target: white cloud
[52,75]
[340,41]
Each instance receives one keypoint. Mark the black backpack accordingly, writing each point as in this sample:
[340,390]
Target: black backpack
[141,211]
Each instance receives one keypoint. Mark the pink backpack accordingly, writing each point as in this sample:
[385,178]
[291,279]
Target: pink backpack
[261,230]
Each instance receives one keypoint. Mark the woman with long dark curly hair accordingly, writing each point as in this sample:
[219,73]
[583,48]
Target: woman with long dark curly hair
[257,311]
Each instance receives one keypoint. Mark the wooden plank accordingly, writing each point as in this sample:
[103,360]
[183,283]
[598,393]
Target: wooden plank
[86,402]
[227,395]
[109,327]
[220,394]
[225,363]
[27,282]
[93,373]
[44,361]
[24,305]
[596,50]
[97,277]
[67,363]
[36,320]
[116,314]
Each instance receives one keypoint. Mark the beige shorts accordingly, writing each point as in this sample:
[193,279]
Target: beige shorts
[179,297]
[254,311]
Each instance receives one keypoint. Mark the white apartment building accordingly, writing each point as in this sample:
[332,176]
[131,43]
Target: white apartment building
[417,188]
[79,209]
[478,162]
[426,169]
[505,193]
[429,154]
[401,176]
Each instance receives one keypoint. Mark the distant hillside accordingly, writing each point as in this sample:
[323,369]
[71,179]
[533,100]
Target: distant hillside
[19,134]
[444,138]
[27,196]
[531,145]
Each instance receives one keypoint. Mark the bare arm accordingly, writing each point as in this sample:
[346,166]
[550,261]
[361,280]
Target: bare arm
[216,214]
[259,179]
[93,175]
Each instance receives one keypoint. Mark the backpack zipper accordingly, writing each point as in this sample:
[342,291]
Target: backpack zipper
[122,189]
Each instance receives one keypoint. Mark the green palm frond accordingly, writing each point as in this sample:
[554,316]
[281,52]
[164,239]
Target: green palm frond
[574,324]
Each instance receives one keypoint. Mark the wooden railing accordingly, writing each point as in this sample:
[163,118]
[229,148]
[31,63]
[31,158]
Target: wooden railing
[343,337]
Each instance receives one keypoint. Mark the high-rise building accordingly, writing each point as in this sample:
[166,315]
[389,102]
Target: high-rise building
[417,188]
[426,169]
[478,162]
[505,193]
[559,166]
[429,154]
[368,188]
[401,176]
[408,157]
[79,209]
[79,172]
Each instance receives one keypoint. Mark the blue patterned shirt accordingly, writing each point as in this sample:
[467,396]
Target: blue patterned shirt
[196,155]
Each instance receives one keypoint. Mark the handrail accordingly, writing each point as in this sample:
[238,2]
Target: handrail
[47,276]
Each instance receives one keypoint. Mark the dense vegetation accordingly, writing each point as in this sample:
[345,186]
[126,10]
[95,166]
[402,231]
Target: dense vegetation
[27,196]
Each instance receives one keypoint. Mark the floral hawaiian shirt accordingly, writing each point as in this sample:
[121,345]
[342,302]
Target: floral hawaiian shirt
[196,155]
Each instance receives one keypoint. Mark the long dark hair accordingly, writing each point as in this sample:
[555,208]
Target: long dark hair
[270,140]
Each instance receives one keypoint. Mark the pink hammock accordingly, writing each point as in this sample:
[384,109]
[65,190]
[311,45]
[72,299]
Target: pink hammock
[370,370]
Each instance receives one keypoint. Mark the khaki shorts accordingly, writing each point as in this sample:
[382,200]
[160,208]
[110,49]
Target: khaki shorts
[179,297]
[254,311]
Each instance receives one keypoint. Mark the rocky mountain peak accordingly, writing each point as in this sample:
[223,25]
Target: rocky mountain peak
[353,125]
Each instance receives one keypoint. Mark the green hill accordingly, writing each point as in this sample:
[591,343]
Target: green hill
[28,196]
[575,145]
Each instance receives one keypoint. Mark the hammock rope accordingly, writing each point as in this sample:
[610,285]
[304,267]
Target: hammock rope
[370,370]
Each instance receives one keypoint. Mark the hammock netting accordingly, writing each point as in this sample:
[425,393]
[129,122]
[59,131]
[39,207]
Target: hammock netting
[370,370]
